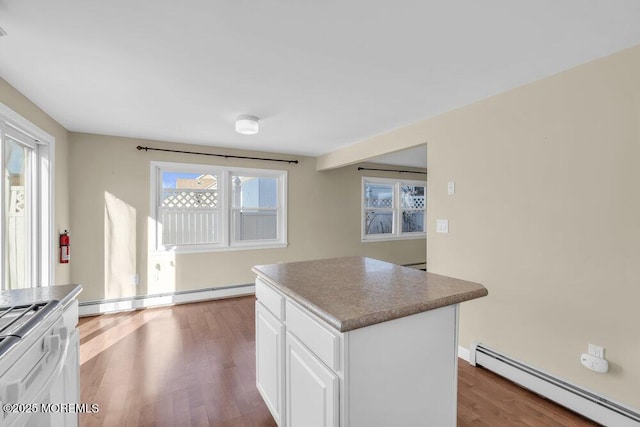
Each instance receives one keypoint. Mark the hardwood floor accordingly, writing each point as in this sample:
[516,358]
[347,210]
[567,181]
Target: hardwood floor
[487,399]
[194,365]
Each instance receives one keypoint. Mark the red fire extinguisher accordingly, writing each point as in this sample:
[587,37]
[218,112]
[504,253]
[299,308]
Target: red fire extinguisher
[65,247]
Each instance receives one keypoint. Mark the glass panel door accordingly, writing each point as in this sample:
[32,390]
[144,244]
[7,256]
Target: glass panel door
[26,203]
[17,211]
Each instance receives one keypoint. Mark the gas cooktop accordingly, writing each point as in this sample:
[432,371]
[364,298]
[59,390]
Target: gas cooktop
[17,321]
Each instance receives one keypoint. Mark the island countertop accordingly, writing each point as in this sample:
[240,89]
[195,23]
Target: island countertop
[354,292]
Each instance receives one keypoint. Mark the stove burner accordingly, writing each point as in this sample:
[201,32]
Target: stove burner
[17,321]
[13,317]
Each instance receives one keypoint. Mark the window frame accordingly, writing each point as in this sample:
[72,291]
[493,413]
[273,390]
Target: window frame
[225,206]
[397,233]
[42,242]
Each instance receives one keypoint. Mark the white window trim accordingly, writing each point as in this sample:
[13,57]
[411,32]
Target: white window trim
[397,234]
[43,274]
[226,242]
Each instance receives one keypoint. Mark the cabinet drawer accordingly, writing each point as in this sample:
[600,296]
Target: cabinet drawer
[270,298]
[318,338]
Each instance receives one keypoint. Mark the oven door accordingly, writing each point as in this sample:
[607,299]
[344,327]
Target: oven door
[37,388]
[63,394]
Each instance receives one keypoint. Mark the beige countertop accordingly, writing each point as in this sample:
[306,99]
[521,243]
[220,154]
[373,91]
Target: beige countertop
[61,293]
[354,292]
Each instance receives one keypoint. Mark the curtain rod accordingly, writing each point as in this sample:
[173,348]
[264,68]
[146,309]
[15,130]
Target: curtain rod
[413,264]
[389,170]
[226,156]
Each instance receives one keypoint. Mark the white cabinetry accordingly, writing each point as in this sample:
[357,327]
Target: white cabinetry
[312,388]
[270,360]
[65,388]
[402,372]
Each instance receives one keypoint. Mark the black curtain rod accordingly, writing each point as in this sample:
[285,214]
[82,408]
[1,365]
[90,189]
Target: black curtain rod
[390,170]
[413,264]
[226,156]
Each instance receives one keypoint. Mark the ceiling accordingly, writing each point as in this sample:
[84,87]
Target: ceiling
[320,75]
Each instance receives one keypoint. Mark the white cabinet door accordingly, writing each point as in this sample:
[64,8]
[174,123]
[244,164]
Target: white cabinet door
[311,389]
[269,359]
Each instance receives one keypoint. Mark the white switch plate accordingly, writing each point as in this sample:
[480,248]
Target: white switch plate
[442,226]
[596,350]
[451,188]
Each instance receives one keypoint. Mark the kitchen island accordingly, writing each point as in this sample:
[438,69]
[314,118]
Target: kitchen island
[358,342]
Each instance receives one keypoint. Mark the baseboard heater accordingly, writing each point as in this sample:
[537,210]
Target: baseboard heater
[584,402]
[92,308]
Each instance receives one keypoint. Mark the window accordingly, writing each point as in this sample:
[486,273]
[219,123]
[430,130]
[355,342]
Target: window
[26,218]
[206,208]
[393,209]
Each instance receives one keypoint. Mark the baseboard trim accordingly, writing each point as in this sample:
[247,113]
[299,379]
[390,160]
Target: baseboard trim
[588,403]
[93,308]
[463,353]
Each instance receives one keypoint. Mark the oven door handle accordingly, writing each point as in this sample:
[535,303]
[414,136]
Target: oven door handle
[62,336]
[55,345]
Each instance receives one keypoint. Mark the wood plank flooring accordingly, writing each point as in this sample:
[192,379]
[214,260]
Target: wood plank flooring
[194,365]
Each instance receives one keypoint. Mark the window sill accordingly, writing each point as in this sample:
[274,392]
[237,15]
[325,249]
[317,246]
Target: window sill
[237,247]
[392,238]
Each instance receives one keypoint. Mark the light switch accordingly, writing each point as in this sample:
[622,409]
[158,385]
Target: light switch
[451,188]
[442,226]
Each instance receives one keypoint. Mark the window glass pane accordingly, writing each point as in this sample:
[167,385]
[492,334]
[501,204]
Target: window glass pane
[412,196]
[378,222]
[412,221]
[189,191]
[188,208]
[254,191]
[17,257]
[253,224]
[189,227]
[378,195]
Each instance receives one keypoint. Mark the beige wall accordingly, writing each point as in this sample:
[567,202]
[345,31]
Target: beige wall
[547,215]
[23,106]
[110,207]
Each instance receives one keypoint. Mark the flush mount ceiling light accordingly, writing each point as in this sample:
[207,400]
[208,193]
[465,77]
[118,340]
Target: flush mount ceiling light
[247,125]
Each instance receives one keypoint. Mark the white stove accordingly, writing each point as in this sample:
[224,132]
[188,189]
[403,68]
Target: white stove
[39,381]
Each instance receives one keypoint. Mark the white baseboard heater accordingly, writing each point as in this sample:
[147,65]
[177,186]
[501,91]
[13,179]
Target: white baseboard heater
[92,308]
[584,402]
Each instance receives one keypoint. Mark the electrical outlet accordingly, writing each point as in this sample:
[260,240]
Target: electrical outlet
[135,279]
[596,350]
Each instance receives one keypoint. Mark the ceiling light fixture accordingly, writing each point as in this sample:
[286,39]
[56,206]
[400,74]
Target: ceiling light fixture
[247,125]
